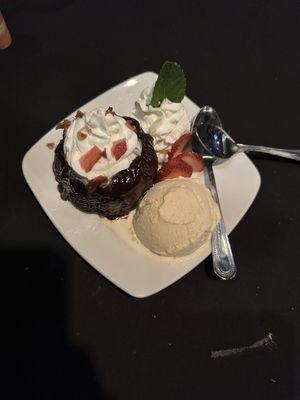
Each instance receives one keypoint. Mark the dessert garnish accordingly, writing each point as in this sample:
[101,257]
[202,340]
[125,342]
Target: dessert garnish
[160,111]
[173,169]
[110,111]
[50,145]
[89,159]
[179,145]
[180,163]
[119,147]
[194,160]
[99,143]
[170,84]
[79,114]
[104,162]
[64,125]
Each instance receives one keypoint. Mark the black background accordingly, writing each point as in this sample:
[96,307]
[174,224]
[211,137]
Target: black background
[73,333]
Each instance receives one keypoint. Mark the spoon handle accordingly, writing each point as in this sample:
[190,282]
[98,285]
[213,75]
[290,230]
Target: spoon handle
[292,154]
[223,262]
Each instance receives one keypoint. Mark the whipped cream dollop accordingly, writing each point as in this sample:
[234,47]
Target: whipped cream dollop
[165,123]
[101,129]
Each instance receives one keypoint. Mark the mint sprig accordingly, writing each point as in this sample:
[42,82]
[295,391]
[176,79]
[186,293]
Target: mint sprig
[170,84]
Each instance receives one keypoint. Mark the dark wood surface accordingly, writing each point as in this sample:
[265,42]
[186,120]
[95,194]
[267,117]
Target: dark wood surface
[80,337]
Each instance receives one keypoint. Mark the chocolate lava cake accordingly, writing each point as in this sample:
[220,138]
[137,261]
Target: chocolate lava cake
[111,197]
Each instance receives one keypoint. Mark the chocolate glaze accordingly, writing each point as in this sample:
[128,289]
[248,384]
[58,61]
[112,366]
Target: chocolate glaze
[117,197]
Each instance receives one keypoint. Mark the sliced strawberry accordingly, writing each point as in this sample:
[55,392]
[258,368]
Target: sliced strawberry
[174,169]
[89,159]
[94,183]
[110,111]
[192,159]
[103,153]
[50,145]
[130,125]
[81,135]
[179,145]
[64,125]
[79,114]
[119,148]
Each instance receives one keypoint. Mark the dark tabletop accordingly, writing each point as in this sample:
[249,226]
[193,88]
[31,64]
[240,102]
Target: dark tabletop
[80,337]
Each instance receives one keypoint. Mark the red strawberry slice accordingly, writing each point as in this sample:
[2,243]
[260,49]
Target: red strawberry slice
[79,114]
[89,159]
[103,153]
[81,135]
[119,148]
[174,169]
[50,145]
[192,159]
[64,125]
[179,145]
[110,111]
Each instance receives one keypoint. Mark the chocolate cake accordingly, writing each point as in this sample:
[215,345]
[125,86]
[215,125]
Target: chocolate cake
[114,197]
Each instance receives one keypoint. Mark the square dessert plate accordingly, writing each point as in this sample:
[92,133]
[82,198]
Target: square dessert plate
[100,242]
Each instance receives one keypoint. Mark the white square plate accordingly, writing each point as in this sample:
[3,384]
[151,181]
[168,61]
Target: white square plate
[99,242]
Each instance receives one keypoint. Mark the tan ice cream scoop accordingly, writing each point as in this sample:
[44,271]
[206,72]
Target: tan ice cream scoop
[176,217]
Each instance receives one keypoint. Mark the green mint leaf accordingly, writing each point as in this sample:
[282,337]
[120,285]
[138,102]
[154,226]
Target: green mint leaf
[170,84]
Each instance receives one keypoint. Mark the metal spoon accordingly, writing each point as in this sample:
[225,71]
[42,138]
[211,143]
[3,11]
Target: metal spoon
[217,142]
[223,262]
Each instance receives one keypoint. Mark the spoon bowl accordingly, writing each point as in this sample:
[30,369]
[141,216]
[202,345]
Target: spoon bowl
[206,116]
[210,138]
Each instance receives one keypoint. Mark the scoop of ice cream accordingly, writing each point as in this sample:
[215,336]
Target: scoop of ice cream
[176,217]
[98,132]
[165,123]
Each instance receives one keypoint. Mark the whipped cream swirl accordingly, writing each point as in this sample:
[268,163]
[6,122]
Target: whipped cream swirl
[101,129]
[165,123]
